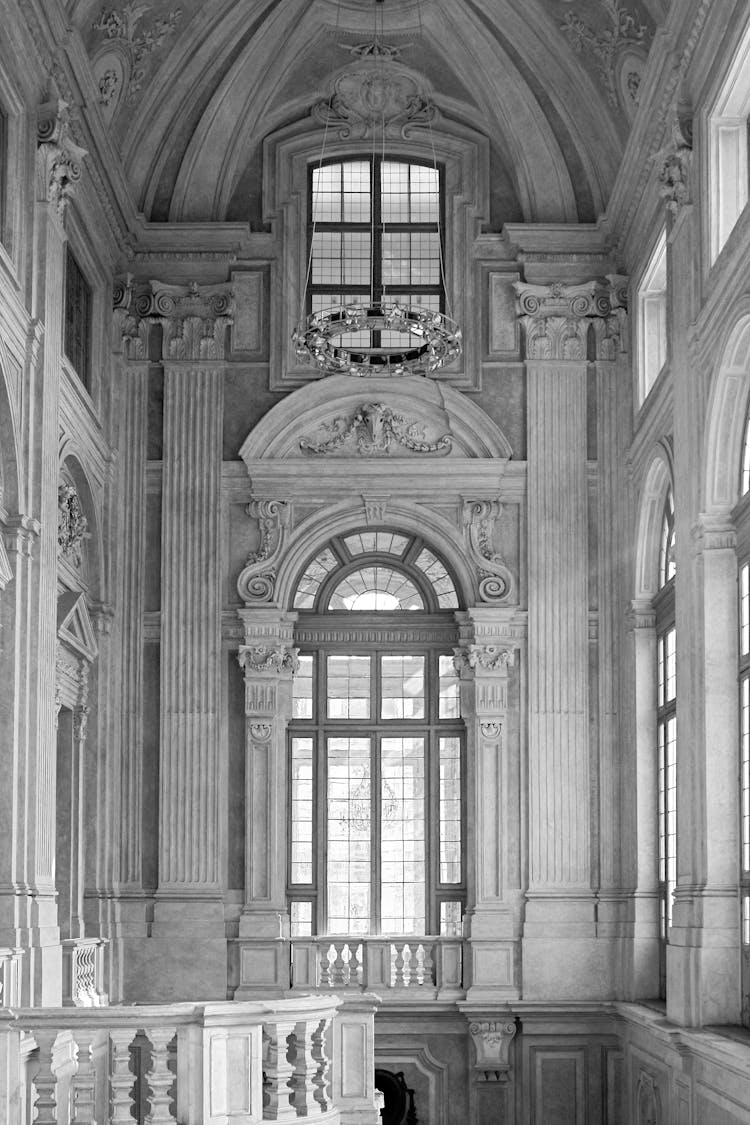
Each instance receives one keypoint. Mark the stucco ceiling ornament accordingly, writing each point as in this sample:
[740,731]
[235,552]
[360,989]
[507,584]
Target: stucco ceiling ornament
[495,579]
[374,430]
[376,94]
[624,42]
[120,62]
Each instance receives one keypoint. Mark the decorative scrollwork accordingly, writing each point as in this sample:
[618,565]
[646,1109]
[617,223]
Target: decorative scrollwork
[72,525]
[375,94]
[257,582]
[495,578]
[262,658]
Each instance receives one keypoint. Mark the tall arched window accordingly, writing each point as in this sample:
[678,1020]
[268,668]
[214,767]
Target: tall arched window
[376,743]
[742,521]
[375,235]
[666,726]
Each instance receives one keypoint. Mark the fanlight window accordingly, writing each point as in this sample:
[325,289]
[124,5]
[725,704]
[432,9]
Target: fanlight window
[381,582]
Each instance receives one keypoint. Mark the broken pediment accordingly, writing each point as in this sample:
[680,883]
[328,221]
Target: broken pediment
[74,627]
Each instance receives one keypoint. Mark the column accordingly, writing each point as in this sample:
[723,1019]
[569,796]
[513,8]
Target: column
[189,909]
[492,926]
[269,661]
[560,957]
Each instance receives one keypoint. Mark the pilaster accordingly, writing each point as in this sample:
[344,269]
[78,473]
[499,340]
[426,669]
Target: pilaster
[483,659]
[268,661]
[560,951]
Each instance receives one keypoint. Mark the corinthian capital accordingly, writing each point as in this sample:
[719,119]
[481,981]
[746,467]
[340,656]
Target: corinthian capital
[59,158]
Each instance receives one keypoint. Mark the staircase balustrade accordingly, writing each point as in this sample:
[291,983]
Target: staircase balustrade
[195,1064]
[424,967]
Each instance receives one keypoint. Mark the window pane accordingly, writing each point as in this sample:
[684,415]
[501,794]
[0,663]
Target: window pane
[411,258]
[450,699]
[326,194]
[309,583]
[402,835]
[301,919]
[370,542]
[745,609]
[450,919]
[402,687]
[356,191]
[77,318]
[349,800]
[439,579]
[376,588]
[745,476]
[348,687]
[302,689]
[450,810]
[302,811]
[671,814]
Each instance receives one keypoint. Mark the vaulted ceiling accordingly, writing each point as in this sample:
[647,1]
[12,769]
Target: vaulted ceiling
[189,90]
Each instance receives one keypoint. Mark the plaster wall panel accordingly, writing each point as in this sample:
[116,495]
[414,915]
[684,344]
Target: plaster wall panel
[559,1094]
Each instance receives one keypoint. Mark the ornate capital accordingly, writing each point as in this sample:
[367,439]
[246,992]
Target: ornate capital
[675,162]
[495,578]
[492,1040]
[257,579]
[265,660]
[59,158]
[490,658]
[714,533]
[556,318]
[566,301]
[642,614]
[193,320]
[72,525]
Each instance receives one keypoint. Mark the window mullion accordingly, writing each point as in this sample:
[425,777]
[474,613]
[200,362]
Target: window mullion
[375,819]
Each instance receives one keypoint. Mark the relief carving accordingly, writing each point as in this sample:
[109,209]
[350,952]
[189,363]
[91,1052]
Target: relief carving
[258,578]
[556,318]
[676,160]
[374,430]
[607,44]
[647,1098]
[491,658]
[495,579]
[121,62]
[375,96]
[193,319]
[72,525]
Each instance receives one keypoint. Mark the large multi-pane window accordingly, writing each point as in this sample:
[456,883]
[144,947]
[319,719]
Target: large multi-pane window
[376,744]
[666,729]
[375,236]
[743,537]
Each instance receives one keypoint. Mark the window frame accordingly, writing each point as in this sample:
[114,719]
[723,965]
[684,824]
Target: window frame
[666,734]
[728,150]
[376,228]
[651,320]
[741,519]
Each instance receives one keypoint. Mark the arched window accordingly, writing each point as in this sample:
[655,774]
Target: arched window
[666,727]
[376,743]
[375,235]
[728,149]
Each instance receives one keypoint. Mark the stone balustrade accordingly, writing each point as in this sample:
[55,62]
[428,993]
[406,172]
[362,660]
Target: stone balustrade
[422,967]
[308,1056]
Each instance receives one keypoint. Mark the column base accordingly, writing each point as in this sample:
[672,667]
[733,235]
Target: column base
[261,967]
[185,955]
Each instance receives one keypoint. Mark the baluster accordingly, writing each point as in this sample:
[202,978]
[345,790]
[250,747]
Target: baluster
[339,964]
[326,978]
[428,965]
[305,1070]
[321,1078]
[359,959]
[83,1082]
[159,1077]
[44,1078]
[279,1072]
[399,981]
[121,1079]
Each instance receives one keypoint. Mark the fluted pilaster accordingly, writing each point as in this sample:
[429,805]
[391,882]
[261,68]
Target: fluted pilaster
[190,631]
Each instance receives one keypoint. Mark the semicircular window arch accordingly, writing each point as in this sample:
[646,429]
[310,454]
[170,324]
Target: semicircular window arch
[376,571]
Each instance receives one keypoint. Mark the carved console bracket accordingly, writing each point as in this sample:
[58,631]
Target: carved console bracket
[675,161]
[492,1039]
[257,579]
[495,579]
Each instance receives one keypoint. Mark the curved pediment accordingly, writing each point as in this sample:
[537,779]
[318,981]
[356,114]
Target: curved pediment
[342,417]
